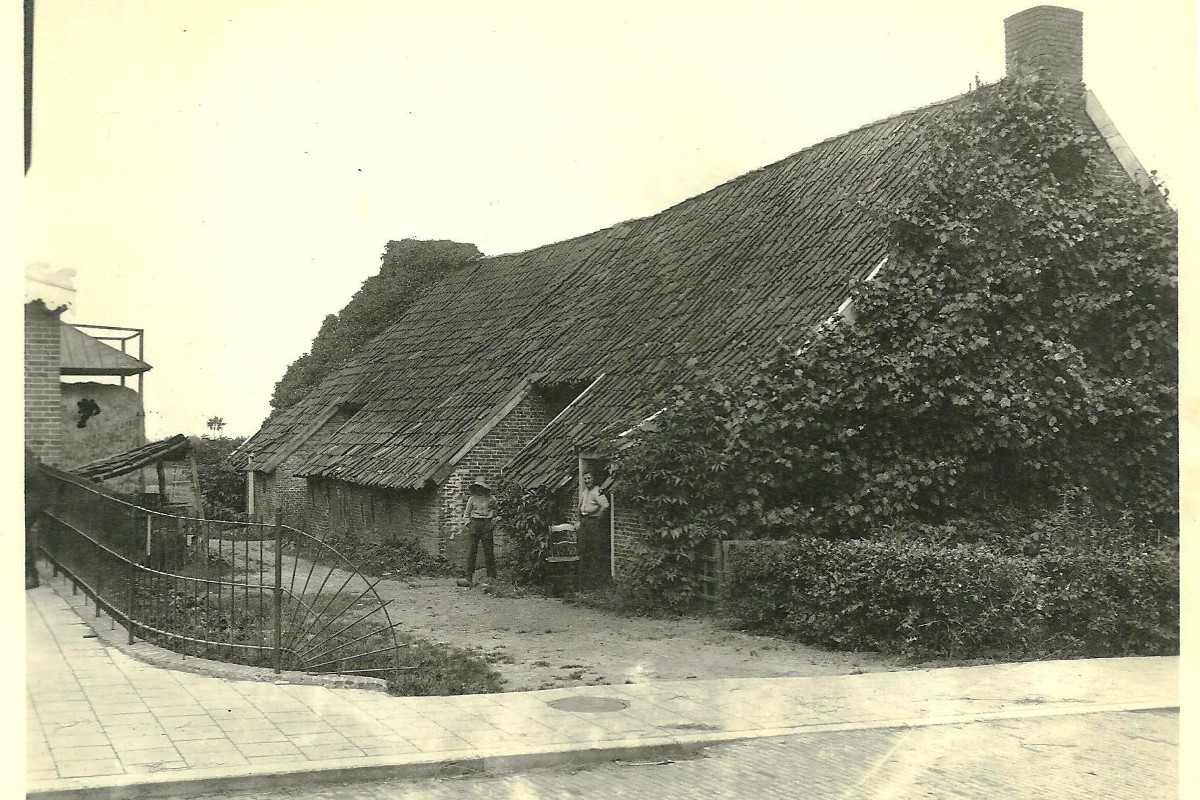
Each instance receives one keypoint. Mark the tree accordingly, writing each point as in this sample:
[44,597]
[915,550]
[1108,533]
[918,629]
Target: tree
[1020,340]
[216,424]
[407,267]
[222,487]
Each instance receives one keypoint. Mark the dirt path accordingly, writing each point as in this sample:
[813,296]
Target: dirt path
[539,642]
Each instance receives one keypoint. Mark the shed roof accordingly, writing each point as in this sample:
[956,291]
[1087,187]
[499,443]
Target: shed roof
[172,448]
[85,355]
[717,279]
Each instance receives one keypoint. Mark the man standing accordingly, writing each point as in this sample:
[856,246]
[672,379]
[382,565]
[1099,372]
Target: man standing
[593,533]
[479,521]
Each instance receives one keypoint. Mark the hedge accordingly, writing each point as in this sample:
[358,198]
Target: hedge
[923,600]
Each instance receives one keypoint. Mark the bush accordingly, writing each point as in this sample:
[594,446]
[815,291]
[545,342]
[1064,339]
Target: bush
[665,574]
[222,487]
[922,599]
[1077,523]
[1110,603]
[525,516]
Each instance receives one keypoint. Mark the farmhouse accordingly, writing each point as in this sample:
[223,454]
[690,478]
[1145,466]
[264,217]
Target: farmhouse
[549,352]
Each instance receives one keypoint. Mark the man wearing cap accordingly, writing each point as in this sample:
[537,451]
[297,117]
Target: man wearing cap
[479,519]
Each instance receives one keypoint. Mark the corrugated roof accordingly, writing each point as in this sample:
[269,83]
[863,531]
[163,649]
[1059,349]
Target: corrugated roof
[84,355]
[169,449]
[718,278]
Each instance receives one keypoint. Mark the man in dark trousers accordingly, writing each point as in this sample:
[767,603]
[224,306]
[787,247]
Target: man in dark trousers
[593,535]
[479,522]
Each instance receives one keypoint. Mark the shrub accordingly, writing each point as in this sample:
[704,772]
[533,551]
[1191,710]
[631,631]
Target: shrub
[1110,603]
[1077,523]
[664,575]
[222,487]
[922,599]
[525,516]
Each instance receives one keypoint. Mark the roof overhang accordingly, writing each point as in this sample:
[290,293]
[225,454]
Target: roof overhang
[174,448]
[1117,144]
[80,354]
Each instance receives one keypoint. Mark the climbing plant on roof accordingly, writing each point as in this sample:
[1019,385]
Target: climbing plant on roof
[1020,339]
[406,268]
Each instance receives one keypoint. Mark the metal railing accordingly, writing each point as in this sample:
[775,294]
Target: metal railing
[244,592]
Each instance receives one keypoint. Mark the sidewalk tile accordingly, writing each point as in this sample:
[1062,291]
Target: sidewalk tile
[150,755]
[256,736]
[89,753]
[329,753]
[87,769]
[196,733]
[160,766]
[277,759]
[128,743]
[319,739]
[257,749]
[205,746]
[213,760]
[179,712]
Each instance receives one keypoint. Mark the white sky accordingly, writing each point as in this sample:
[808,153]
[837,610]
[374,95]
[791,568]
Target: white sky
[225,174]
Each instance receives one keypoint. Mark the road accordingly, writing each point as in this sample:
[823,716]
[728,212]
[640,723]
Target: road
[1121,756]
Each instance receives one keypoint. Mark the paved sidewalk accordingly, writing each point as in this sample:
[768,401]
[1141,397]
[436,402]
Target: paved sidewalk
[98,718]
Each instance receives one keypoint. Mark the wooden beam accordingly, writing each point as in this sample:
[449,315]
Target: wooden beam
[197,497]
[162,481]
[298,441]
[557,417]
[499,412]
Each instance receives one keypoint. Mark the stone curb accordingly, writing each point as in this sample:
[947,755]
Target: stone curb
[167,659]
[496,761]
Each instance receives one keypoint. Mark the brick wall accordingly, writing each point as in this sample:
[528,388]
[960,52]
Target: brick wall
[629,529]
[430,515]
[485,460]
[43,393]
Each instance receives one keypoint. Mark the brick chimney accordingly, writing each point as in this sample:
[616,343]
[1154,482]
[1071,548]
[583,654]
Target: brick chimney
[1046,36]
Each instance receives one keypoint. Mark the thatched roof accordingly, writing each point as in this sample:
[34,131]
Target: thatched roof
[716,279]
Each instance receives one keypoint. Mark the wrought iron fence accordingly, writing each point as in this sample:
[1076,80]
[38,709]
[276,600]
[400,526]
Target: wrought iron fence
[244,592]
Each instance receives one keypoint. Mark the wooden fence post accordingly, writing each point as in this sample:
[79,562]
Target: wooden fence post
[132,595]
[277,603]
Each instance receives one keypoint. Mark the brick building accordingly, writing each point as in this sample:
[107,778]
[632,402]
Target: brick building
[530,379]
[48,293]
[74,421]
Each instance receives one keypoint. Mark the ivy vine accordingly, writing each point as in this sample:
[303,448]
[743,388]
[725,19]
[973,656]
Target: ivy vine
[1021,339]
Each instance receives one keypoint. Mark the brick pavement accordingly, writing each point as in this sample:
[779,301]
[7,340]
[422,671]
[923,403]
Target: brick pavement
[1121,756]
[97,717]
